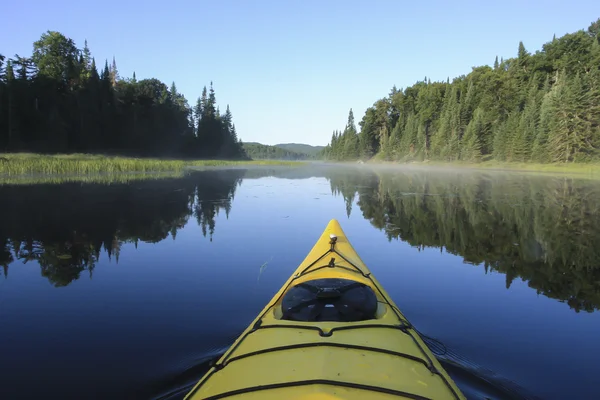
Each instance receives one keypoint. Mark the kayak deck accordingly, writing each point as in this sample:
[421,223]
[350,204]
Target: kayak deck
[295,349]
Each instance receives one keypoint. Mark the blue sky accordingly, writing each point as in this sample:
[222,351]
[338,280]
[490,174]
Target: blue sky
[289,69]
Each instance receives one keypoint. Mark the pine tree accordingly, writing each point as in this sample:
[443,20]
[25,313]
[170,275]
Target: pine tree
[503,135]
[105,76]
[85,62]
[234,134]
[2,70]
[351,151]
[210,109]
[451,148]
[368,135]
[421,143]
[87,56]
[408,140]
[13,122]
[113,73]
[25,68]
[539,152]
[473,137]
[395,140]
[94,70]
[350,125]
[522,141]
[441,137]
[573,123]
[522,53]
[467,105]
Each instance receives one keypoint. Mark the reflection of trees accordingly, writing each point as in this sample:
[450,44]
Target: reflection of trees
[214,195]
[6,256]
[65,228]
[544,230]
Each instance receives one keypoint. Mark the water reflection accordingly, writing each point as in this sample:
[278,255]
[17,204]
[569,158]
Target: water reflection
[543,230]
[65,227]
[540,229]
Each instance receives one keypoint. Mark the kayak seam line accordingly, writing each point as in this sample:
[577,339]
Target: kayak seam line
[322,344]
[258,325]
[432,367]
[323,267]
[333,250]
[317,382]
[322,333]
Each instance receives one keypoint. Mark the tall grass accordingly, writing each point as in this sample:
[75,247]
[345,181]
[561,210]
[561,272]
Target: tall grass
[106,179]
[84,164]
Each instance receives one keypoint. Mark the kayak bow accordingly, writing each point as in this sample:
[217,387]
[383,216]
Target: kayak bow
[331,332]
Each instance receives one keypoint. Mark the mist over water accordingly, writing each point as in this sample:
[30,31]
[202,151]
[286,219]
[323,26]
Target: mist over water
[127,290]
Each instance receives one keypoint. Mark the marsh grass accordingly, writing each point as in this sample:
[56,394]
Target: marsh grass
[106,179]
[87,164]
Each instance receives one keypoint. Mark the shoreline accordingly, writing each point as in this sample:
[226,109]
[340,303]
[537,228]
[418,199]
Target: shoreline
[31,167]
[13,165]
[579,169]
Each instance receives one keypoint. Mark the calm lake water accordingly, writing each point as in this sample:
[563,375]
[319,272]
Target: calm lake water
[128,290]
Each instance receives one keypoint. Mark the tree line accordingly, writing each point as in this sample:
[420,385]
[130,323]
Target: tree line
[57,100]
[258,151]
[541,107]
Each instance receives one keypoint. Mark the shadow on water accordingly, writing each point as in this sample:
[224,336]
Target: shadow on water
[544,231]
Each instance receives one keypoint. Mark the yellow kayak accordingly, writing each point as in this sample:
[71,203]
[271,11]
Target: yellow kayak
[331,332]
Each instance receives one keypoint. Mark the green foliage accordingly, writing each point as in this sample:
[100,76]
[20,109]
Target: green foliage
[540,107]
[258,151]
[473,138]
[348,145]
[311,151]
[574,107]
[57,102]
[368,140]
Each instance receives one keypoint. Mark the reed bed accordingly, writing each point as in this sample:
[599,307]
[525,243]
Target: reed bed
[88,164]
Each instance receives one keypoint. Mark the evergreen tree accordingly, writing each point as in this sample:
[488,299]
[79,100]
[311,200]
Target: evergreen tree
[522,109]
[114,73]
[473,137]
[55,101]
[540,144]
[573,123]
[408,140]
[2,70]
[368,143]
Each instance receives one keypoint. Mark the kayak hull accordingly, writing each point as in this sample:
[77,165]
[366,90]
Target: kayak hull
[379,356]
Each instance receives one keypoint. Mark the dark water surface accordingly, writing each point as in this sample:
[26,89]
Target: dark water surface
[127,291]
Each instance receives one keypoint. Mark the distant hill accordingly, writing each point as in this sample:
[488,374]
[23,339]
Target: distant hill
[258,151]
[312,151]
